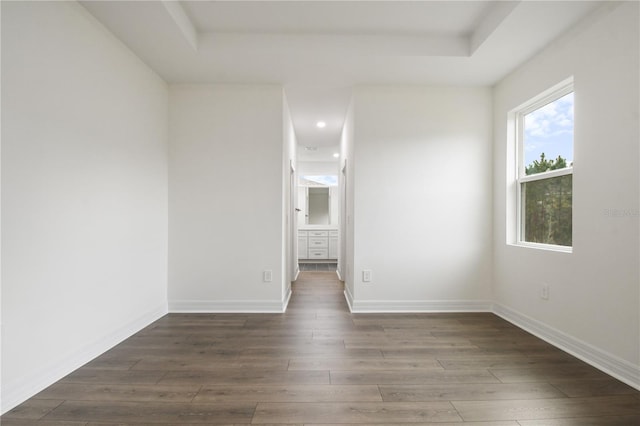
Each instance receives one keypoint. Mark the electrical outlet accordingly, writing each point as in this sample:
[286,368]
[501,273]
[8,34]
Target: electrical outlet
[544,292]
[366,275]
[267,276]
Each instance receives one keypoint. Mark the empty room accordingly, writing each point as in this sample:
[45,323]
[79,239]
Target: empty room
[320,213]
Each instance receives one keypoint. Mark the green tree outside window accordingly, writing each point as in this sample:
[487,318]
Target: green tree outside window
[548,204]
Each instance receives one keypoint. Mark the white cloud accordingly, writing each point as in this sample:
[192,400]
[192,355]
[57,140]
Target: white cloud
[553,119]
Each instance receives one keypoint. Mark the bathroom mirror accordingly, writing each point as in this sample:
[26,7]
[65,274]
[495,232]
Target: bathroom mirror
[317,200]
[319,212]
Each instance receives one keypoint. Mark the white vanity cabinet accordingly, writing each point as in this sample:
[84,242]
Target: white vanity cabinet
[317,244]
[303,247]
[333,244]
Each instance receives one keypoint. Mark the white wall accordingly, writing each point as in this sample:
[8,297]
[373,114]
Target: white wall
[593,309]
[334,205]
[84,194]
[422,198]
[226,198]
[318,168]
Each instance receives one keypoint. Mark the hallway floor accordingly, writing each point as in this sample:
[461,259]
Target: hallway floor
[319,364]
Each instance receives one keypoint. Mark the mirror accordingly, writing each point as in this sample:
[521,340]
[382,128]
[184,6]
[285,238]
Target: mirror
[319,213]
[317,200]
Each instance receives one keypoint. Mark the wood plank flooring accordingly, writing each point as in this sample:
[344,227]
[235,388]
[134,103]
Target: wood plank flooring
[317,364]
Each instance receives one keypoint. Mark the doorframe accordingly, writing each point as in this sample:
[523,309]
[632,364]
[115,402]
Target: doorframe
[342,223]
[294,269]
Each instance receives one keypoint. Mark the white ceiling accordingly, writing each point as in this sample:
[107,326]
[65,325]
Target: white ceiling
[319,50]
[353,17]
[322,153]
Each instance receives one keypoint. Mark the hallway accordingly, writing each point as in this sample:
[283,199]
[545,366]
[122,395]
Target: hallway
[319,364]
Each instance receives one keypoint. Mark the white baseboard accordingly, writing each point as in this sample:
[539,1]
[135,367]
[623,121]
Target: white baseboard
[286,300]
[598,358]
[228,306]
[349,298]
[18,391]
[409,306]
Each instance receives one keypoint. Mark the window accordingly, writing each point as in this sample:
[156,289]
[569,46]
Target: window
[544,129]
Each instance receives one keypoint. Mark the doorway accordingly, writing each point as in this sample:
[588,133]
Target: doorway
[318,210]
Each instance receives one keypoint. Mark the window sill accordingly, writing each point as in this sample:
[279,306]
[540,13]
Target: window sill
[540,246]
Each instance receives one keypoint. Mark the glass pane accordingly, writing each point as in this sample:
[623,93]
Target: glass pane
[548,136]
[546,210]
[319,180]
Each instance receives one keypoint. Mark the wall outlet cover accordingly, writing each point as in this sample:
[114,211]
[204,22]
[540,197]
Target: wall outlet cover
[544,292]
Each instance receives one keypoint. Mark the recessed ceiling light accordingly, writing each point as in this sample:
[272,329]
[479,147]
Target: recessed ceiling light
[321,124]
[336,155]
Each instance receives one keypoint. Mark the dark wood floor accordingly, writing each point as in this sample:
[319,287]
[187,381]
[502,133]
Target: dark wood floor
[319,364]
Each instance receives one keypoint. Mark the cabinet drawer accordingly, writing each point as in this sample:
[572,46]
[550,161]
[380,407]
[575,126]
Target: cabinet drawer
[318,233]
[318,243]
[333,233]
[318,253]
[302,234]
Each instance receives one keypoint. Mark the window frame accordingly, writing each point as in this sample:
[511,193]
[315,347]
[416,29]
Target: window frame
[551,95]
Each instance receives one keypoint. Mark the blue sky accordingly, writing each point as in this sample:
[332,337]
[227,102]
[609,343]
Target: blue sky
[329,180]
[550,130]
